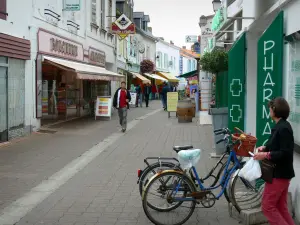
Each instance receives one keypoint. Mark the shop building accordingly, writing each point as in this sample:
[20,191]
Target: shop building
[264,63]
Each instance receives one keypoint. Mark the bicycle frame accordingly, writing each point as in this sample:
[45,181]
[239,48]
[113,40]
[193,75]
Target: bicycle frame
[223,182]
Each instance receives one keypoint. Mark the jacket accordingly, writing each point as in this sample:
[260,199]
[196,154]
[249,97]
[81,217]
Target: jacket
[281,148]
[117,98]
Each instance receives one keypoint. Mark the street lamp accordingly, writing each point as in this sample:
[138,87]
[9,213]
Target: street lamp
[216,5]
[202,21]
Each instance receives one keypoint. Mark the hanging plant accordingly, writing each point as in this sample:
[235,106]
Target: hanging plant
[147,66]
[215,61]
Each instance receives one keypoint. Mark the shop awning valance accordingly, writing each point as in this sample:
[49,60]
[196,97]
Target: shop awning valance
[142,78]
[84,71]
[156,77]
[189,74]
[170,77]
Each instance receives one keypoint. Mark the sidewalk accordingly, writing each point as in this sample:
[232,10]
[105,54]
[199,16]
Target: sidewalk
[24,164]
[105,191]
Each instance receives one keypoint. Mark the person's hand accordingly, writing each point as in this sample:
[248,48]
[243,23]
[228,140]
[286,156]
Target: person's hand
[260,156]
[261,148]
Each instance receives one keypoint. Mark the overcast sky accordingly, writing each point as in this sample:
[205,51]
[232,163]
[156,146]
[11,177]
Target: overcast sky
[173,19]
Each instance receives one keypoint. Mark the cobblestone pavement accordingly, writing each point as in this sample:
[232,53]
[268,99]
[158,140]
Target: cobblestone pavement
[105,191]
[24,164]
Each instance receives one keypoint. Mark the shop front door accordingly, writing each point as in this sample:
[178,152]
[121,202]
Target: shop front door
[3,103]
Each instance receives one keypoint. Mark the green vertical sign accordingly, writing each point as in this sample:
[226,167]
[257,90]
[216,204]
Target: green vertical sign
[269,75]
[236,84]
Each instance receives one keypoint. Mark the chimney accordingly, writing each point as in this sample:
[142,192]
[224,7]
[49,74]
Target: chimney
[171,42]
[183,47]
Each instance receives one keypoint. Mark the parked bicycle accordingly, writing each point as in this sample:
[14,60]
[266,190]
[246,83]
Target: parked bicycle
[173,182]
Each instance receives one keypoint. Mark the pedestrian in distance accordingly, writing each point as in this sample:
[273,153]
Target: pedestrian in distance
[121,101]
[147,92]
[164,92]
[279,150]
[138,91]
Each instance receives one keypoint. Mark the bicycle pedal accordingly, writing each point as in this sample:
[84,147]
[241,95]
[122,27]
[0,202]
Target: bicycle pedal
[198,194]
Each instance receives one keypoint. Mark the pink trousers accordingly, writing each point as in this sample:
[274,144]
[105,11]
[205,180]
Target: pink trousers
[274,202]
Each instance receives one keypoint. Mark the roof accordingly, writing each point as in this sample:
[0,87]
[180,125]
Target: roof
[138,15]
[146,33]
[167,43]
[188,53]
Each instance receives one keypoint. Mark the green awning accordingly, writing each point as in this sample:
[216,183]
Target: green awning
[189,74]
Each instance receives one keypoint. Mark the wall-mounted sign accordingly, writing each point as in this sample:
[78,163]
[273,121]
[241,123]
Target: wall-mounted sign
[123,27]
[51,44]
[191,38]
[206,32]
[269,76]
[219,19]
[71,5]
[97,57]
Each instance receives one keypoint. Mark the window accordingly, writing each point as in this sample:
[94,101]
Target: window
[165,61]
[159,60]
[109,16]
[174,63]
[102,14]
[3,13]
[94,12]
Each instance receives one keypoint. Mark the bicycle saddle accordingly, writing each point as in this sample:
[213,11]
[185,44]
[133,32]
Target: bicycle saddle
[184,147]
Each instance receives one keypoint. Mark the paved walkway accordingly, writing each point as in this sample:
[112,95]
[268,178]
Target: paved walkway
[100,186]
[23,165]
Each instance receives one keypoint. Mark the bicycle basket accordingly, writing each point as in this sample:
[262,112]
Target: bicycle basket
[246,145]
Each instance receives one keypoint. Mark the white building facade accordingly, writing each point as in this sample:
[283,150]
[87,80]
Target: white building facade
[62,43]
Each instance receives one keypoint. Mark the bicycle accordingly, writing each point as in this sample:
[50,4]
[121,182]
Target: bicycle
[185,185]
[151,169]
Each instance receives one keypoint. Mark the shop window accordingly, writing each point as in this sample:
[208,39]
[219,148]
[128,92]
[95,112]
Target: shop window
[87,90]
[3,13]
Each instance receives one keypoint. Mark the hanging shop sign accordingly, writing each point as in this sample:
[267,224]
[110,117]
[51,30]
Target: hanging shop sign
[236,82]
[191,38]
[52,44]
[123,27]
[219,19]
[97,57]
[71,5]
[269,75]
[103,107]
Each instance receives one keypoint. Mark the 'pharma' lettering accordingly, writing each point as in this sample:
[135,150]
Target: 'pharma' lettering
[267,86]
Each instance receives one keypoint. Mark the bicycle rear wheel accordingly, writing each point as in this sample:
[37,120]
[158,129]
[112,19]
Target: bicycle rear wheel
[168,212]
[151,170]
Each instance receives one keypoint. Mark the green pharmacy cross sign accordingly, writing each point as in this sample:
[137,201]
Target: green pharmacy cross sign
[218,19]
[236,87]
[236,113]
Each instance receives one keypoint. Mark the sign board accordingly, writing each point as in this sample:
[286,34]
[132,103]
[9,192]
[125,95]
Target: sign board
[97,57]
[172,101]
[123,27]
[133,98]
[219,19]
[103,106]
[236,84]
[191,38]
[269,75]
[71,5]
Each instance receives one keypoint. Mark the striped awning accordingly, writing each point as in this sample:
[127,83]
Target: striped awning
[141,77]
[155,76]
[170,77]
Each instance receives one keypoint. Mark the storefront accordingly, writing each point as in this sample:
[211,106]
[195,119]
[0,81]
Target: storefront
[68,81]
[13,55]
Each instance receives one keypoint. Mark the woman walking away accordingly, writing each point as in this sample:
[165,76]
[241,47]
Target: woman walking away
[279,150]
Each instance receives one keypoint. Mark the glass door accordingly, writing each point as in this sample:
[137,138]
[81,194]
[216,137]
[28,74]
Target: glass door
[3,101]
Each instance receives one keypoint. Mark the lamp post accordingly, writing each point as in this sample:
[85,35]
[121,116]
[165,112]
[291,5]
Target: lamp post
[216,5]
[202,21]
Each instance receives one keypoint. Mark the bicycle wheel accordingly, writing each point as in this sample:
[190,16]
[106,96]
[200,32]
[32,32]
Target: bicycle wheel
[167,213]
[151,170]
[244,194]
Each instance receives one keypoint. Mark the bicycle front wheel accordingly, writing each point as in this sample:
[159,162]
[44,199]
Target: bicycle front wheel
[163,188]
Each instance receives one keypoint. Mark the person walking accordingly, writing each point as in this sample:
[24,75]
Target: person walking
[147,92]
[121,101]
[139,96]
[164,92]
[279,150]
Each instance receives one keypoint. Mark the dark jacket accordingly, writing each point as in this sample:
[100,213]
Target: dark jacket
[165,90]
[115,101]
[147,90]
[281,148]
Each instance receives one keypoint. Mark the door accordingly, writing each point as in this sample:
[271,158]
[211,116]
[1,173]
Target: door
[3,100]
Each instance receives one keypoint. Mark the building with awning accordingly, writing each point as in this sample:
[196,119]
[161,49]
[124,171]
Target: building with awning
[143,79]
